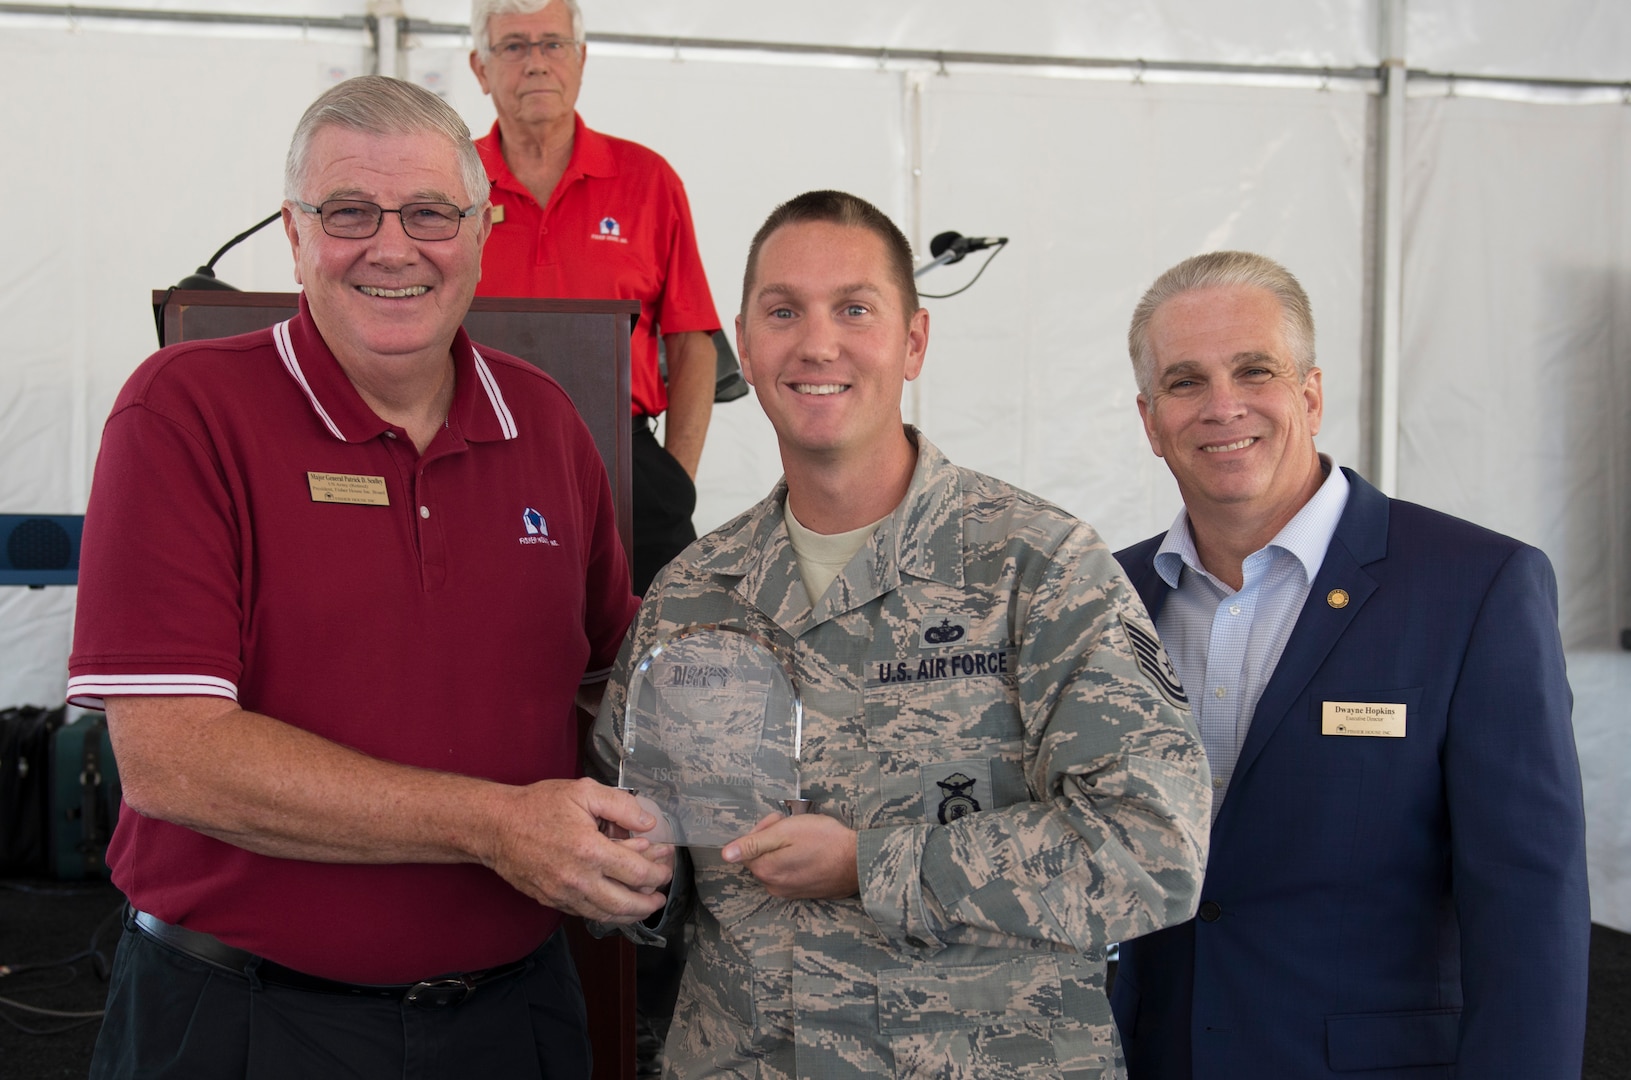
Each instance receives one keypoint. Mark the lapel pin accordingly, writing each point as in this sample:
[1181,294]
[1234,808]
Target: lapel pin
[1337,598]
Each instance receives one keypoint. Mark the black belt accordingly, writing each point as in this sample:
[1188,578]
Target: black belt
[433,993]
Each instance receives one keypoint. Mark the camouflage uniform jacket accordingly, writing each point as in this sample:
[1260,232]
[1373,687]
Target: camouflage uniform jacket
[1025,790]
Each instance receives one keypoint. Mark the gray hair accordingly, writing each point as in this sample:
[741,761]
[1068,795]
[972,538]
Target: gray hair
[379,105]
[483,10]
[1223,269]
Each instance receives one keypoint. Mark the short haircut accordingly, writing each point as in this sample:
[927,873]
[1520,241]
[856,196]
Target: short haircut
[483,10]
[379,105]
[1222,269]
[839,208]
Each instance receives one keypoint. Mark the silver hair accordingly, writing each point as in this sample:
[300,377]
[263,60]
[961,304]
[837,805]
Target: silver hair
[379,105]
[1222,269]
[483,10]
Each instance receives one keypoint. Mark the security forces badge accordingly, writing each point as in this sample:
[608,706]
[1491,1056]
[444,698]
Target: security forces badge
[955,789]
[959,800]
[1152,660]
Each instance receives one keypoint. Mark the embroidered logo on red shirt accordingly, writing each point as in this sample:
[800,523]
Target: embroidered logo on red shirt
[610,230]
[537,528]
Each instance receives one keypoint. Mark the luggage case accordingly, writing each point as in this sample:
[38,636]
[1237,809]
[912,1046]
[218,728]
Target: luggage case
[84,798]
[26,733]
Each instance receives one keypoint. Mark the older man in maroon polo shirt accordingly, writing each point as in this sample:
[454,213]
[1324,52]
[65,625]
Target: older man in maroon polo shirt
[342,582]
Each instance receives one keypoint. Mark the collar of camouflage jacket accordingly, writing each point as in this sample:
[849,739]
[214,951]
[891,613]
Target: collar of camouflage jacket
[922,539]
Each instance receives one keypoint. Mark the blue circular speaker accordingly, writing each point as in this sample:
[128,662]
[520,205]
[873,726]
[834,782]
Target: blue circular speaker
[39,544]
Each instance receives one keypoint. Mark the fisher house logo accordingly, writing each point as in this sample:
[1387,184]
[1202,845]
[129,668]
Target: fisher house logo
[537,528]
[610,230]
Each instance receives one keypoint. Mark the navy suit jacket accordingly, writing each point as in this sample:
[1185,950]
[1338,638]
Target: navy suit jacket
[1387,907]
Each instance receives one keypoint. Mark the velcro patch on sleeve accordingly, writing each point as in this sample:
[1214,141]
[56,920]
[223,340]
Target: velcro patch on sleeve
[1152,660]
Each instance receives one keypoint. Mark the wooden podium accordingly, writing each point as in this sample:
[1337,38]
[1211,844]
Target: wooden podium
[584,346]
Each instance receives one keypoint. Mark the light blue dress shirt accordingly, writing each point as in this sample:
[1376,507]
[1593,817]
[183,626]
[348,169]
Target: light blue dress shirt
[1224,643]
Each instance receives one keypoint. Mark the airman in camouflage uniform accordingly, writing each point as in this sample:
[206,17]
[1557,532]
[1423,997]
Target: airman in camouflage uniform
[986,706]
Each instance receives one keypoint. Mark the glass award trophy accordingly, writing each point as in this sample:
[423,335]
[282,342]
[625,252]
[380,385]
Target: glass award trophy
[712,732]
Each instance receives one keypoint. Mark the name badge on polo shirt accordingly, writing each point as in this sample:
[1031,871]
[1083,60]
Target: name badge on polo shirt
[329,487]
[498,213]
[1378,719]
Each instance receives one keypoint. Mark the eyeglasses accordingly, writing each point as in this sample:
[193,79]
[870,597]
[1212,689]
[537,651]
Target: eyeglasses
[553,50]
[353,219]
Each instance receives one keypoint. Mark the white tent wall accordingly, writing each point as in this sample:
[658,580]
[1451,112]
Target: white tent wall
[1516,393]
[133,151]
[141,147]
[1560,39]
[1104,185]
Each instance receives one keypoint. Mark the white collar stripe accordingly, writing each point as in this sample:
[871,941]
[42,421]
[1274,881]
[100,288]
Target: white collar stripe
[506,422]
[285,348]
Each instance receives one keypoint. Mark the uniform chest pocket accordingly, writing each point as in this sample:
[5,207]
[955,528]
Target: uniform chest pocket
[969,695]
[946,746]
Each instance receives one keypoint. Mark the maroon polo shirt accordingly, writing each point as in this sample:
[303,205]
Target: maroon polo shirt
[255,532]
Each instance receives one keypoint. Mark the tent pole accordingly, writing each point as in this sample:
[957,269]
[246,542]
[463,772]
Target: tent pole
[912,85]
[389,32]
[1389,246]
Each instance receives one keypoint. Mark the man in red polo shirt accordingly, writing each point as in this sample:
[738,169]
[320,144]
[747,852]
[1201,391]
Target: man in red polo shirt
[342,582]
[580,214]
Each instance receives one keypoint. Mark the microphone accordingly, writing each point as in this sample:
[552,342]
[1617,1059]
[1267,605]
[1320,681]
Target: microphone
[958,245]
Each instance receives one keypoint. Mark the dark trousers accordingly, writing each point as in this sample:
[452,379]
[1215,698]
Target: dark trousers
[664,500]
[170,1015]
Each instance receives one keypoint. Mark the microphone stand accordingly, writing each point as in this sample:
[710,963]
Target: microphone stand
[951,247]
[947,256]
[204,277]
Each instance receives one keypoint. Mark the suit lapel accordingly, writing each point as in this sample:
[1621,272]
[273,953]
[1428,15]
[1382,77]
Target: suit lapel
[1138,562]
[1360,539]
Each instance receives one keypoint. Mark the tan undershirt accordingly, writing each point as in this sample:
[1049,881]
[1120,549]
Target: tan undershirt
[822,557]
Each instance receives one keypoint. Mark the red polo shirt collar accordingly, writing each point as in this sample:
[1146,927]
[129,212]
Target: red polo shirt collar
[591,156]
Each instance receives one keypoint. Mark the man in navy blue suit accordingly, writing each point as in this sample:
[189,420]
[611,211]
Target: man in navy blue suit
[1397,882]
